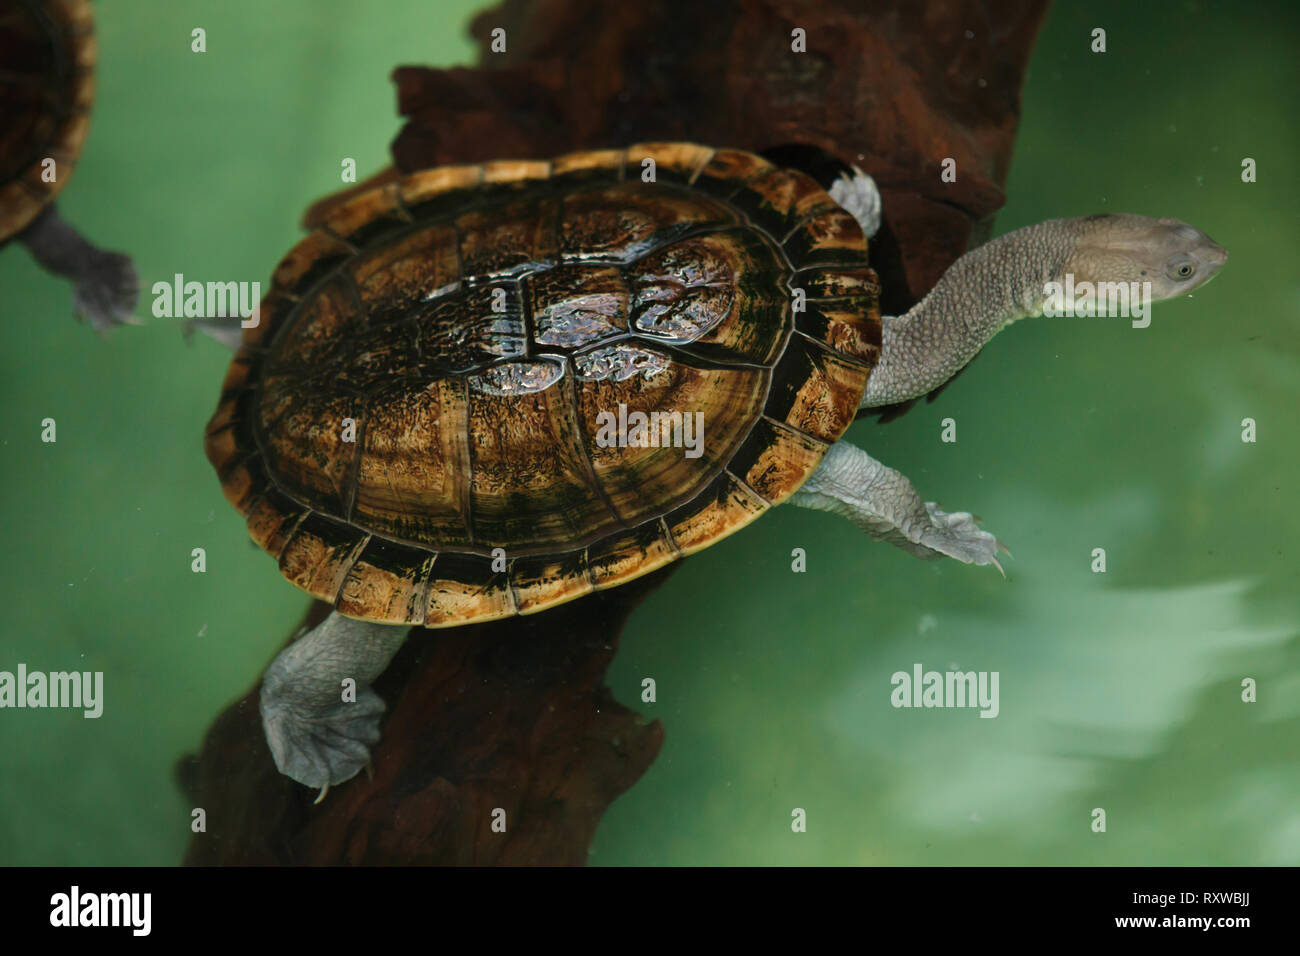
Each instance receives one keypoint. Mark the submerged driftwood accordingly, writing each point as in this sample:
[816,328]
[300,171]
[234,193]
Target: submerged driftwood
[514,715]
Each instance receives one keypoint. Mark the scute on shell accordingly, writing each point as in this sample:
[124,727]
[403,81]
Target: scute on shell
[436,422]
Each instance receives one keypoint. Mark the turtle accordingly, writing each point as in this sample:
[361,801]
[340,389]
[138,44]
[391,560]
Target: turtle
[46,88]
[435,419]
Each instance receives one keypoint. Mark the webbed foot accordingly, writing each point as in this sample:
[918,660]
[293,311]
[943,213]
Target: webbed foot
[319,747]
[106,291]
[883,503]
[958,535]
[319,714]
[106,285]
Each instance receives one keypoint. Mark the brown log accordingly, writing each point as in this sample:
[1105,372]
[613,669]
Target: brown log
[515,714]
[896,86]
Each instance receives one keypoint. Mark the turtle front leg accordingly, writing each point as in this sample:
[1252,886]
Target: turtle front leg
[228,330]
[106,285]
[316,736]
[883,503]
[857,194]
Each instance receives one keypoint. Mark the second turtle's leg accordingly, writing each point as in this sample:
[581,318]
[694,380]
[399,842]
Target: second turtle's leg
[318,734]
[883,503]
[106,284]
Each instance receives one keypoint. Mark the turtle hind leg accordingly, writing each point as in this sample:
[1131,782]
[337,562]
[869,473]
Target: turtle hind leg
[318,732]
[882,502]
[106,285]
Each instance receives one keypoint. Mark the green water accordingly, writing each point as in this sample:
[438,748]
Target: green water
[1119,691]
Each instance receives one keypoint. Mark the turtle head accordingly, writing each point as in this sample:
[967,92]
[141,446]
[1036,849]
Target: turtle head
[1120,247]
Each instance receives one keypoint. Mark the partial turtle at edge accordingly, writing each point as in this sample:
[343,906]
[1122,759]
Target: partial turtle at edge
[47,48]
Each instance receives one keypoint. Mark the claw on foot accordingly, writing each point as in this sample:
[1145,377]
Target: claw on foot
[959,536]
[319,746]
[319,713]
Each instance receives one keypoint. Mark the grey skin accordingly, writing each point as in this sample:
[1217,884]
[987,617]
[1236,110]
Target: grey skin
[319,740]
[982,293]
[318,733]
[105,284]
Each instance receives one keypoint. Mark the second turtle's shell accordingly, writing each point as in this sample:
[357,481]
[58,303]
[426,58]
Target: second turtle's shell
[435,420]
[47,59]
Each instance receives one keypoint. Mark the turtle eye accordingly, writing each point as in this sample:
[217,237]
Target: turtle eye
[1181,268]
